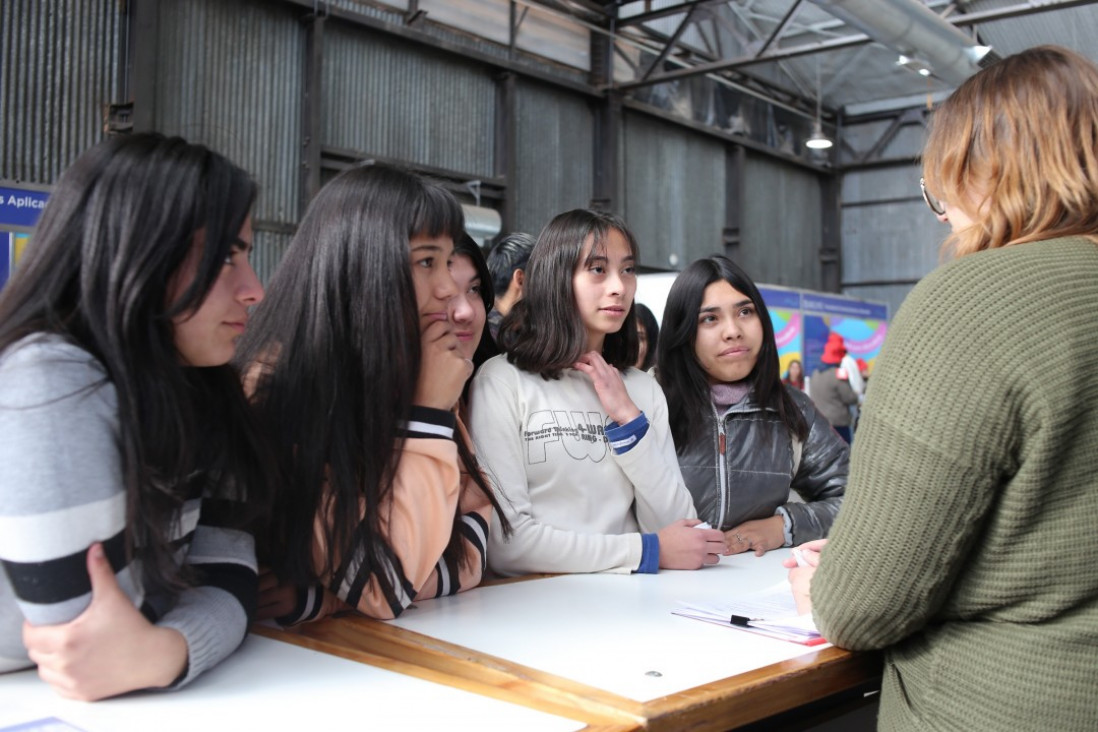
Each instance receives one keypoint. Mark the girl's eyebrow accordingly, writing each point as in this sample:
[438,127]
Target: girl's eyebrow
[603,258]
[715,308]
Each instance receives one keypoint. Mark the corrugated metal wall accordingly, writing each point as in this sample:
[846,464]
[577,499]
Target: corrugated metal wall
[888,234]
[267,250]
[674,190]
[384,97]
[781,227]
[229,75]
[59,72]
[554,162]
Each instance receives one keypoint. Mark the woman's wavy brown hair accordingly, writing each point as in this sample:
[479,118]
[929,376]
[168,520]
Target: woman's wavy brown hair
[1019,142]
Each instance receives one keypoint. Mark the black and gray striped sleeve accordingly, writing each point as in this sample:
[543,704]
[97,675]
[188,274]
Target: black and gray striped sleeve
[60,487]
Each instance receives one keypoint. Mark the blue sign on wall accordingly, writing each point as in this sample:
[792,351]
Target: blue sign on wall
[21,207]
[778,298]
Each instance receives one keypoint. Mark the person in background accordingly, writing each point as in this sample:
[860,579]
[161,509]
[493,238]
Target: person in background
[743,439]
[469,308]
[648,335]
[961,549]
[507,263]
[853,372]
[356,363]
[831,390]
[863,370]
[850,367]
[127,547]
[575,440]
[795,375]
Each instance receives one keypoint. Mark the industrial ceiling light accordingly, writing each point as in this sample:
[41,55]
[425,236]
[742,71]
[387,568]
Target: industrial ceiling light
[818,140]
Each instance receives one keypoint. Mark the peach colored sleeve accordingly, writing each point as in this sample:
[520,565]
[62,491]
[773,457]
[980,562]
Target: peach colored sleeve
[417,522]
[476,517]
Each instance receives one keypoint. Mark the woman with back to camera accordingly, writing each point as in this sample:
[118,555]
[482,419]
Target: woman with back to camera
[356,364]
[128,442]
[576,440]
[743,438]
[961,548]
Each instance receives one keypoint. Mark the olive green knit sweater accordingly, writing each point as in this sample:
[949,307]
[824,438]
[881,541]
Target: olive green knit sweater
[966,544]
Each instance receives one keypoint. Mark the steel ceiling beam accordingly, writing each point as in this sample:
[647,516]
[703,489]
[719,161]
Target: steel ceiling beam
[1016,11]
[781,27]
[987,16]
[670,43]
[663,12]
[732,64]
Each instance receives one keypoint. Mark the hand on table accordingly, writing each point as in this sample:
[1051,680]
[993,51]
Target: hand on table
[684,547]
[110,648]
[760,536]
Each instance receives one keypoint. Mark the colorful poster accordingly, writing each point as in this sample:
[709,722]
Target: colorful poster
[785,316]
[13,244]
[863,326]
[19,246]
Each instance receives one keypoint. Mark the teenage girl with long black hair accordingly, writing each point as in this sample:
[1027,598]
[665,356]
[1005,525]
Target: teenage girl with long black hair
[355,363]
[128,441]
[744,439]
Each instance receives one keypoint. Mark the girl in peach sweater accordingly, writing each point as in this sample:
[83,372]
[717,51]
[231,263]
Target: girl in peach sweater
[356,367]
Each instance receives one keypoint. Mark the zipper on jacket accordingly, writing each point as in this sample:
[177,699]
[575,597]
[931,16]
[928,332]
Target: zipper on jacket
[722,487]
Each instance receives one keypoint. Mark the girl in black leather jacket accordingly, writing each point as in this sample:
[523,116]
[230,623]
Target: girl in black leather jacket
[743,439]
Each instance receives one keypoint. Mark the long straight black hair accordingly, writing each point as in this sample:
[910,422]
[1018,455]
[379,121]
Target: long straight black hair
[685,382]
[114,233]
[333,356]
[544,333]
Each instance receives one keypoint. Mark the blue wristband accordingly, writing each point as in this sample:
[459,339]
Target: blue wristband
[624,437]
[650,554]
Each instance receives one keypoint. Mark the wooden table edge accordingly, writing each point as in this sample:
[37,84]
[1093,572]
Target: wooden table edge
[759,693]
[379,644]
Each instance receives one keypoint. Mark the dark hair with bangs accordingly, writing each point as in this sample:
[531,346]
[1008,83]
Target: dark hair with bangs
[118,226]
[685,383]
[333,357]
[544,333]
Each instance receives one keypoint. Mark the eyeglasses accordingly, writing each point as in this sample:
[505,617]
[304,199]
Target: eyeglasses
[932,203]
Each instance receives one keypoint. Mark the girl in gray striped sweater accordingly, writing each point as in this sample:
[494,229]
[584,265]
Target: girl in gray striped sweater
[128,443]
